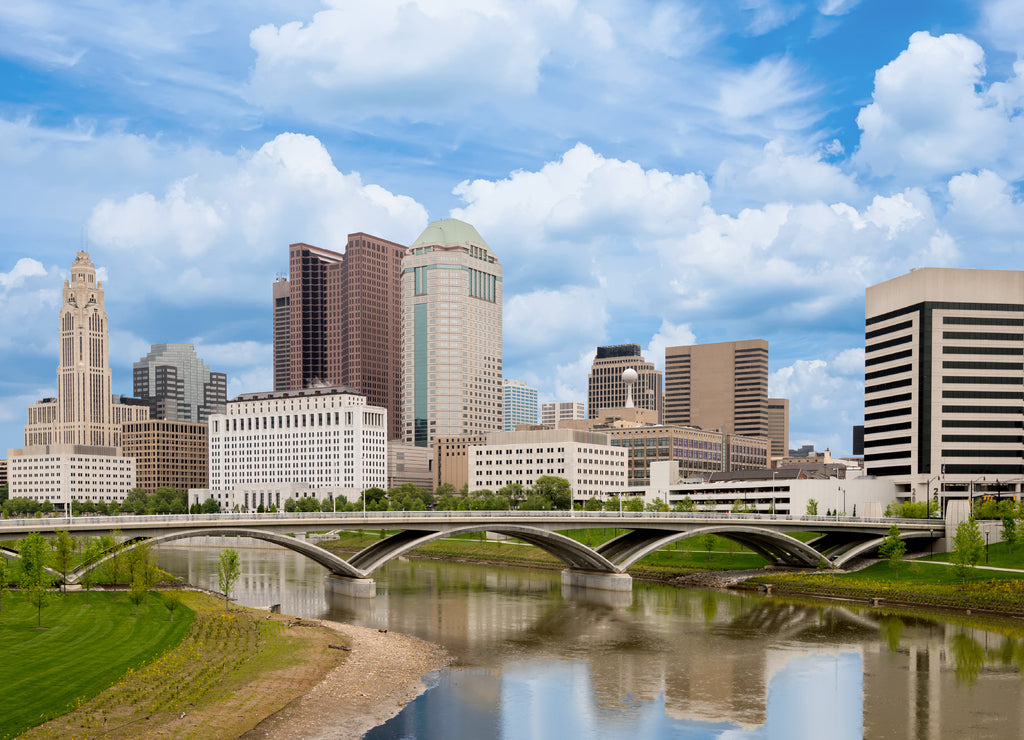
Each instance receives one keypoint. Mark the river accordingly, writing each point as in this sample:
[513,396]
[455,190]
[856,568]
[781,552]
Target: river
[534,662]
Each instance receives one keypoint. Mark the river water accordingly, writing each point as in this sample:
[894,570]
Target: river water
[532,661]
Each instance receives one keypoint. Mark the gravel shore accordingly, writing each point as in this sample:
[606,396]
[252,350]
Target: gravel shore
[381,674]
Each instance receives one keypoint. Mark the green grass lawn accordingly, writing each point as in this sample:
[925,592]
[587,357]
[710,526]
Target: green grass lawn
[83,649]
[999,556]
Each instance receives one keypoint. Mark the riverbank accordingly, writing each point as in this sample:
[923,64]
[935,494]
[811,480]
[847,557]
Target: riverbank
[246,671]
[382,672]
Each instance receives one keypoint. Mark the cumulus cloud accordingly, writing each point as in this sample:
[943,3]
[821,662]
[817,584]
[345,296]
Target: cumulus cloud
[220,232]
[669,335]
[932,114]
[27,291]
[826,398]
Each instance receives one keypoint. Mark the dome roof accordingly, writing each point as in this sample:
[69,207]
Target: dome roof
[450,231]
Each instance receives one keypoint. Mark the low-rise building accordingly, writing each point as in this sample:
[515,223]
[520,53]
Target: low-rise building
[590,463]
[409,463]
[780,492]
[61,474]
[451,459]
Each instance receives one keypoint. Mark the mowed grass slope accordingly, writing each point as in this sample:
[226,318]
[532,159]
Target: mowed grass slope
[82,650]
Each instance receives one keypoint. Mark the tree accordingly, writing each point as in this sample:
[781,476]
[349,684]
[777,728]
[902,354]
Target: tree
[968,545]
[137,501]
[686,505]
[554,489]
[812,507]
[708,543]
[111,545]
[614,503]
[35,578]
[210,506]
[634,504]
[1009,532]
[5,577]
[593,504]
[515,493]
[63,553]
[894,548]
[93,552]
[228,570]
[171,600]
[142,571]
[656,505]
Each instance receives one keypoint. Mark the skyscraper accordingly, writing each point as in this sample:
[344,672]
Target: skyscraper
[778,426]
[719,386]
[607,390]
[519,404]
[944,383]
[452,325]
[72,441]
[84,411]
[338,321]
[177,385]
[282,334]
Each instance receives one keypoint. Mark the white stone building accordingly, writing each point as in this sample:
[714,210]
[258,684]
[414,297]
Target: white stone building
[65,473]
[268,447]
[586,459]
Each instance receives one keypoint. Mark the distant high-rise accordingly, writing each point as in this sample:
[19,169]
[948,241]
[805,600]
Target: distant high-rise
[719,386]
[177,385]
[519,404]
[778,426]
[282,334]
[452,327]
[552,413]
[338,321]
[606,388]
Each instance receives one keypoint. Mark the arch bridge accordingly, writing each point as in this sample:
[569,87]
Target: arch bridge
[840,539]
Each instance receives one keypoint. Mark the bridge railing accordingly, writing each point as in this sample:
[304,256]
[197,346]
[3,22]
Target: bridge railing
[51,523]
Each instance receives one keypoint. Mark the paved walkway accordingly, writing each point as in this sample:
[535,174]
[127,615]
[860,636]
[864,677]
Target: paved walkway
[979,567]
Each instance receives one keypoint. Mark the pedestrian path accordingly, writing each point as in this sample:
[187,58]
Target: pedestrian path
[978,567]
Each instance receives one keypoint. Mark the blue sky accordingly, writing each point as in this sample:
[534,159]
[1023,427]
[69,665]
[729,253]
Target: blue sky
[659,173]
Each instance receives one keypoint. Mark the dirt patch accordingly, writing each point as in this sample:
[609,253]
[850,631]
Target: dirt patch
[382,673]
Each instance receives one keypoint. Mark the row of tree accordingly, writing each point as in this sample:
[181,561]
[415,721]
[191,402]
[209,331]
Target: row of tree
[164,500]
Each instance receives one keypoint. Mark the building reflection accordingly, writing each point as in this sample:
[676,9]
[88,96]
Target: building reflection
[754,666]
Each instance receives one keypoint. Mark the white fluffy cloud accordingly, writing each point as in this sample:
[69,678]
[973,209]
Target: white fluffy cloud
[223,231]
[826,398]
[932,113]
[985,206]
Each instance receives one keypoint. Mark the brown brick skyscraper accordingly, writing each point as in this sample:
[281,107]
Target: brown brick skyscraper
[345,321]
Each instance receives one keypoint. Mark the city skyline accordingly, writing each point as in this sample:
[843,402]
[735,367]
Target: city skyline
[658,174]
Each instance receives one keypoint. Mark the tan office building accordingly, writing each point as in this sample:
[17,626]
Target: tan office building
[778,426]
[943,382]
[607,390]
[451,459]
[168,453]
[718,386]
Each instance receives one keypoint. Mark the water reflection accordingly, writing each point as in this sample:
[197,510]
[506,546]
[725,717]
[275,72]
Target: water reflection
[535,660]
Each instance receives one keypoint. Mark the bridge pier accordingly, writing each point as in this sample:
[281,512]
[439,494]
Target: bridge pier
[360,588]
[595,580]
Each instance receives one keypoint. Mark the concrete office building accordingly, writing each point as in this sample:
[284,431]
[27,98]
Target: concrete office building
[778,426]
[719,386]
[586,459]
[519,404]
[452,334]
[782,492]
[607,390]
[450,459]
[699,452]
[61,474]
[269,447]
[408,463]
[168,453]
[552,413]
[177,385]
[338,321]
[943,382]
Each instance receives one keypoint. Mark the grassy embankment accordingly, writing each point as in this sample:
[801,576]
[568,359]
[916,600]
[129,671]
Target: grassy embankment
[918,582]
[100,670]
[678,559]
